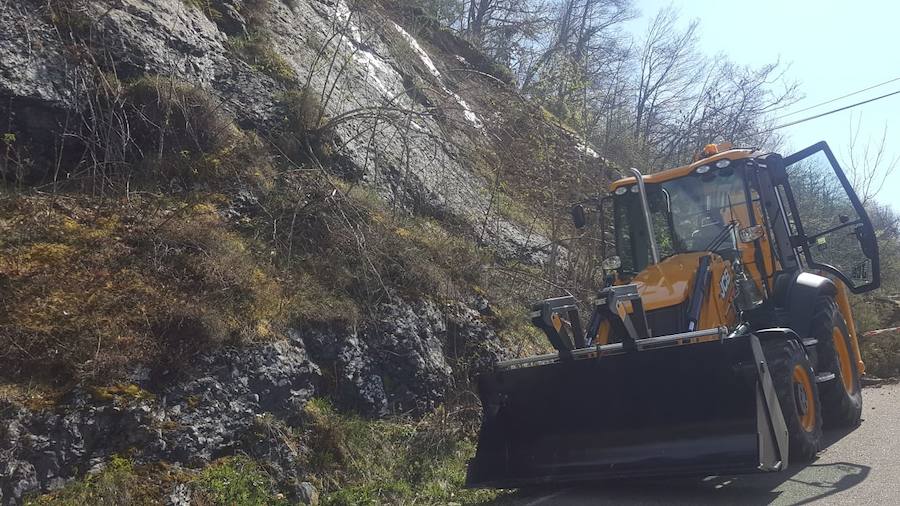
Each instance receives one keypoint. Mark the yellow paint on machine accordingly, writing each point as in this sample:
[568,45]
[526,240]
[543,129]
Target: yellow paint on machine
[670,174]
[671,282]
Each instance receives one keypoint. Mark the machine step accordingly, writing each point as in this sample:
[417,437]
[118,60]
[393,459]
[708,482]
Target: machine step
[822,377]
[810,341]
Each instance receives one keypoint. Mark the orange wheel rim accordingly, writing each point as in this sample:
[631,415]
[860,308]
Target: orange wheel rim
[803,394]
[840,346]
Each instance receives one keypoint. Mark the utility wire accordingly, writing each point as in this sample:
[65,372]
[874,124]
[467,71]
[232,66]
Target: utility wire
[803,120]
[857,92]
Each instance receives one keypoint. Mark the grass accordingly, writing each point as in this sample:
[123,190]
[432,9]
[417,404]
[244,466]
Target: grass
[517,333]
[120,483]
[397,461]
[89,287]
[236,481]
[180,131]
[257,50]
[207,7]
[230,481]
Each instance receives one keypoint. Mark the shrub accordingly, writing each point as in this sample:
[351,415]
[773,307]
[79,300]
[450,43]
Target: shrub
[298,135]
[181,132]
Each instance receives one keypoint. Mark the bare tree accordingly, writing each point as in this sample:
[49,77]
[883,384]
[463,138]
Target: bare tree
[669,65]
[868,166]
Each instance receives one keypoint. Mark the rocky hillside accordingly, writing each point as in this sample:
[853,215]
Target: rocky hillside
[254,251]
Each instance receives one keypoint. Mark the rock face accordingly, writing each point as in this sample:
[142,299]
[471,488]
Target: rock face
[407,117]
[408,111]
[399,363]
[190,422]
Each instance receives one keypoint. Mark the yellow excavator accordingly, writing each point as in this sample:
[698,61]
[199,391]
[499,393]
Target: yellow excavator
[721,343]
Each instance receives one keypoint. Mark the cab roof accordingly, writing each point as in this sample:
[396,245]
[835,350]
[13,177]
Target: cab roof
[677,172]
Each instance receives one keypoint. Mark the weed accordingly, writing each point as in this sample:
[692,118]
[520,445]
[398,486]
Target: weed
[118,484]
[236,481]
[397,461]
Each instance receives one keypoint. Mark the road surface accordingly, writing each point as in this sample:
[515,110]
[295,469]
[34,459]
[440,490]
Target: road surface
[859,468]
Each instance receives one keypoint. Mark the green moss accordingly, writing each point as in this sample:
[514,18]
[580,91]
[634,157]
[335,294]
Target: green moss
[120,393]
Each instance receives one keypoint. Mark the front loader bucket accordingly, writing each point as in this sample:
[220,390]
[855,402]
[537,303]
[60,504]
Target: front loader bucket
[675,406]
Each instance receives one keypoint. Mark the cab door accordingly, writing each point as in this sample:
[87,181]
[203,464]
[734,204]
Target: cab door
[828,225]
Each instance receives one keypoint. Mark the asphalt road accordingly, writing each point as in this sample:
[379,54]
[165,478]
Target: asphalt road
[860,468]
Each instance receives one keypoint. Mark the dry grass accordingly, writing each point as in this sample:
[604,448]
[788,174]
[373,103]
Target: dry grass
[89,289]
[181,132]
[120,483]
[881,353]
[257,50]
[358,461]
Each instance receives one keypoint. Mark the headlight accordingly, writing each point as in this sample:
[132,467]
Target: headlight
[723,163]
[621,190]
[703,169]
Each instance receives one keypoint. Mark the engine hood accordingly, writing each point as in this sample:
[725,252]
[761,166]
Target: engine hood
[669,282]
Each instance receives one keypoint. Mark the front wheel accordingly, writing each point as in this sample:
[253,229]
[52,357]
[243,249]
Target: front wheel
[798,396]
[842,396]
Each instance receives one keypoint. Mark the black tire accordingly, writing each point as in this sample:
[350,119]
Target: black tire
[842,396]
[804,433]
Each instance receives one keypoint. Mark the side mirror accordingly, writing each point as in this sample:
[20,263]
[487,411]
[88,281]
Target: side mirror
[867,242]
[578,216]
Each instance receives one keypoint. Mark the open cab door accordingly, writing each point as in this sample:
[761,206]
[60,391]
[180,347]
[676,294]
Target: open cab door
[828,223]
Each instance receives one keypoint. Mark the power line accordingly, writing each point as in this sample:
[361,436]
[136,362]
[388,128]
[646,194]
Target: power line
[792,123]
[857,92]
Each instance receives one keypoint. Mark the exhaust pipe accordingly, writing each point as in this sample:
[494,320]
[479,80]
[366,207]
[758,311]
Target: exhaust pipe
[645,207]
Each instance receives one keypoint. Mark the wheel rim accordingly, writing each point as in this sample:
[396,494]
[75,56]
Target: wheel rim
[803,395]
[840,347]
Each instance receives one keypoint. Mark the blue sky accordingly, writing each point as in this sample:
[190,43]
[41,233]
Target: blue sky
[833,48]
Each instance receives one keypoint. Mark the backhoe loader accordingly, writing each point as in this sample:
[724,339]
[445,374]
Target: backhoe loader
[722,340]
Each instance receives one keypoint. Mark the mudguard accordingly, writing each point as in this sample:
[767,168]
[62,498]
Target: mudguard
[798,293]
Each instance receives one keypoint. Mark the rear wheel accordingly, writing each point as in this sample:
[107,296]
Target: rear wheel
[842,396]
[798,396]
